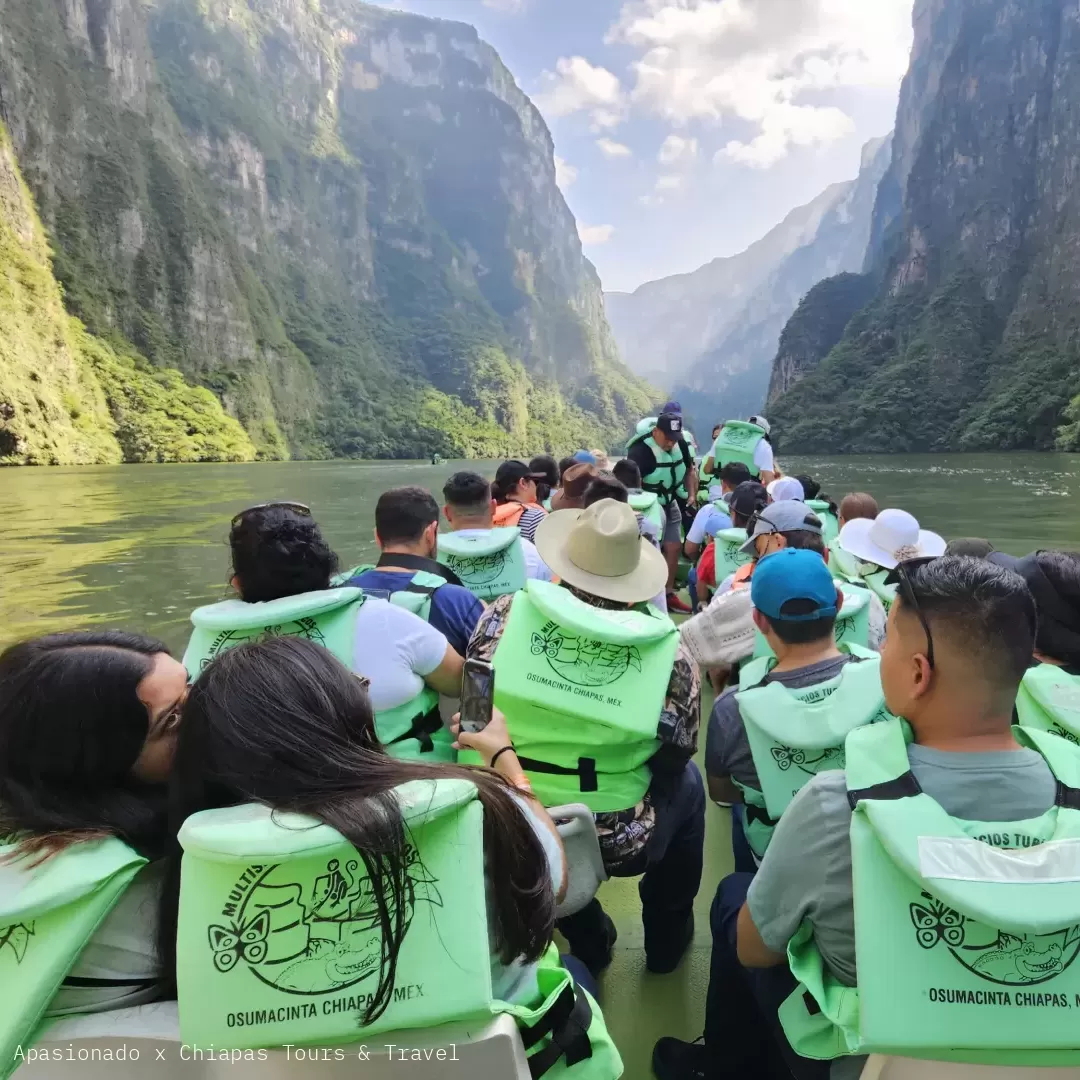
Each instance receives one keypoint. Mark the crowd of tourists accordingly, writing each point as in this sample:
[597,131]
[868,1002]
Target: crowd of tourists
[290,831]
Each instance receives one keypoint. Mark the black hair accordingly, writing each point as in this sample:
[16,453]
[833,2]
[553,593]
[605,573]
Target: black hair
[735,473]
[811,488]
[605,486]
[278,552]
[71,729]
[1058,635]
[402,514]
[468,491]
[802,632]
[802,540]
[545,464]
[981,609]
[506,488]
[717,428]
[565,465]
[283,723]
[627,473]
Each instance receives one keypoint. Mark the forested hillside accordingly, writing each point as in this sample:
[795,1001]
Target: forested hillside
[343,221]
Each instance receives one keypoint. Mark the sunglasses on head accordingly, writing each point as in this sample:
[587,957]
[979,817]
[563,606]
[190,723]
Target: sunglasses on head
[901,578]
[297,507]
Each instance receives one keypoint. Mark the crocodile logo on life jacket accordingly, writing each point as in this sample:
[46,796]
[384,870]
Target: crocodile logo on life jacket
[995,956]
[787,757]
[16,937]
[479,569]
[312,937]
[584,661]
[304,628]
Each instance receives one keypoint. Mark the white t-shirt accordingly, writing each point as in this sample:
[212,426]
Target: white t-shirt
[763,456]
[395,649]
[535,567]
[708,521]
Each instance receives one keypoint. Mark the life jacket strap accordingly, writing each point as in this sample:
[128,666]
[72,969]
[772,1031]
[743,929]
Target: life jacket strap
[586,770]
[418,562]
[1068,798]
[567,1022]
[423,727]
[903,787]
[760,815]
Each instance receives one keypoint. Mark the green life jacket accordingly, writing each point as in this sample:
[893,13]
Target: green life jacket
[668,478]
[829,520]
[648,504]
[415,597]
[489,565]
[279,939]
[846,567]
[737,441]
[875,582]
[328,617]
[729,556]
[852,624]
[583,690]
[966,933]
[1049,699]
[48,913]
[795,733]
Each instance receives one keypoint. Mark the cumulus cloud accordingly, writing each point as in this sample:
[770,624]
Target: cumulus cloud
[759,61]
[611,148]
[676,149]
[575,86]
[595,235]
[565,173]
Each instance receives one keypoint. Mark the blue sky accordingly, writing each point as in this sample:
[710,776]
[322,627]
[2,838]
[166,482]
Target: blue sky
[685,129]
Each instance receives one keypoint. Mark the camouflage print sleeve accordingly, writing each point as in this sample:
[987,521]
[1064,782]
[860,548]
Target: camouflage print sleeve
[489,629]
[680,720]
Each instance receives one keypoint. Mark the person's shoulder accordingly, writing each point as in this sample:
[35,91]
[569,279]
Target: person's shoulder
[825,798]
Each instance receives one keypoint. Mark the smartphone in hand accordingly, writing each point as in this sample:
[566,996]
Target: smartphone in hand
[477,696]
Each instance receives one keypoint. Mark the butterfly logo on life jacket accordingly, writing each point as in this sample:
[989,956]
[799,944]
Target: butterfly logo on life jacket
[229,944]
[935,922]
[548,645]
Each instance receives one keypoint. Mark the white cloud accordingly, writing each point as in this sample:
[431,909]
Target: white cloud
[757,60]
[565,173]
[595,234]
[676,149]
[668,183]
[510,7]
[575,86]
[611,148]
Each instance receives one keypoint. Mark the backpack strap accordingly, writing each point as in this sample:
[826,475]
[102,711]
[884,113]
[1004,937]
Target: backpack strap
[418,562]
[567,1022]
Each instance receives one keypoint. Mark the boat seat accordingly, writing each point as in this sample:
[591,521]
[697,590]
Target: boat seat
[584,864]
[485,1048]
[880,1067]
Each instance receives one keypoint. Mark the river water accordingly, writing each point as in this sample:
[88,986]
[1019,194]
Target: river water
[138,546]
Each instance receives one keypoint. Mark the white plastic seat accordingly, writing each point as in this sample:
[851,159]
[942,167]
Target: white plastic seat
[490,1049]
[880,1067]
[584,863]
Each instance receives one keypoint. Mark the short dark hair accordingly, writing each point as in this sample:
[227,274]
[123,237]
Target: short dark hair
[402,514]
[545,463]
[1055,637]
[278,552]
[811,488]
[981,608]
[627,473]
[735,473]
[793,632]
[605,486]
[805,541]
[467,491]
[566,465]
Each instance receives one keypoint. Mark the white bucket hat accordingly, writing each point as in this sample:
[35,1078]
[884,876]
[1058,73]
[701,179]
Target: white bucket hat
[892,537]
[602,552]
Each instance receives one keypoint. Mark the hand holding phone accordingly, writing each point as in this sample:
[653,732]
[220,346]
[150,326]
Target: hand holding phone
[477,696]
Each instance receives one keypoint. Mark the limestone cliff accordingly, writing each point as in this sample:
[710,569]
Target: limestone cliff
[342,220]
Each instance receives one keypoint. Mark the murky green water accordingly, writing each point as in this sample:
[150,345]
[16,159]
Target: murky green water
[139,546]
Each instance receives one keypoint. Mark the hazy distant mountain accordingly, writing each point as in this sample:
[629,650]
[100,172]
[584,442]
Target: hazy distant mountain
[711,335]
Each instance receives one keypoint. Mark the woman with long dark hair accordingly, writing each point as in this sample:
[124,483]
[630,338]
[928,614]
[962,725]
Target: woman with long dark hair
[282,723]
[88,724]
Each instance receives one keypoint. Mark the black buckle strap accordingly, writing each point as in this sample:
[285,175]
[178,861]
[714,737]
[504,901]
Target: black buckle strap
[418,562]
[759,814]
[423,727]
[586,770]
[1068,798]
[903,787]
[567,1022]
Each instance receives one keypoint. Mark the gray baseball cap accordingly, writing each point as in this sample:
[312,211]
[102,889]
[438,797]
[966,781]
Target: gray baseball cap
[783,517]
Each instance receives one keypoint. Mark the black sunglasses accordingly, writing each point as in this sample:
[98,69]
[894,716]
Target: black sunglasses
[901,577]
[297,507]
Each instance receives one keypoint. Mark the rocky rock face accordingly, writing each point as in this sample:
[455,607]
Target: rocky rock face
[712,335]
[342,220]
[971,340]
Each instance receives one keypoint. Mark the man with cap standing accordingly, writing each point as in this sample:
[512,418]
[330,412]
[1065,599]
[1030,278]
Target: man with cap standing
[664,461]
[650,817]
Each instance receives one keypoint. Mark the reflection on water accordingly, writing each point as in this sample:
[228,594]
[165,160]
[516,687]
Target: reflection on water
[139,546]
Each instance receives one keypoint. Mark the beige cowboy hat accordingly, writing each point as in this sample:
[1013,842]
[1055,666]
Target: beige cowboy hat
[601,552]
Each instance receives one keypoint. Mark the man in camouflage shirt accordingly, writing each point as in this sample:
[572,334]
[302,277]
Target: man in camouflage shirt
[662,837]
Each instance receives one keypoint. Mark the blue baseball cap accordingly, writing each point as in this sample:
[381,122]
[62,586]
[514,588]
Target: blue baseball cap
[583,457]
[793,574]
[672,407]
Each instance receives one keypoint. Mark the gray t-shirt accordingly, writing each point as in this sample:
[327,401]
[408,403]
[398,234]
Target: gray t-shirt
[806,873]
[727,749]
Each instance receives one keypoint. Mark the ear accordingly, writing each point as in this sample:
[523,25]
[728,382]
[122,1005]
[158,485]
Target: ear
[826,556]
[433,530]
[446,514]
[760,621]
[494,506]
[234,581]
[839,601]
[922,675]
[375,533]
